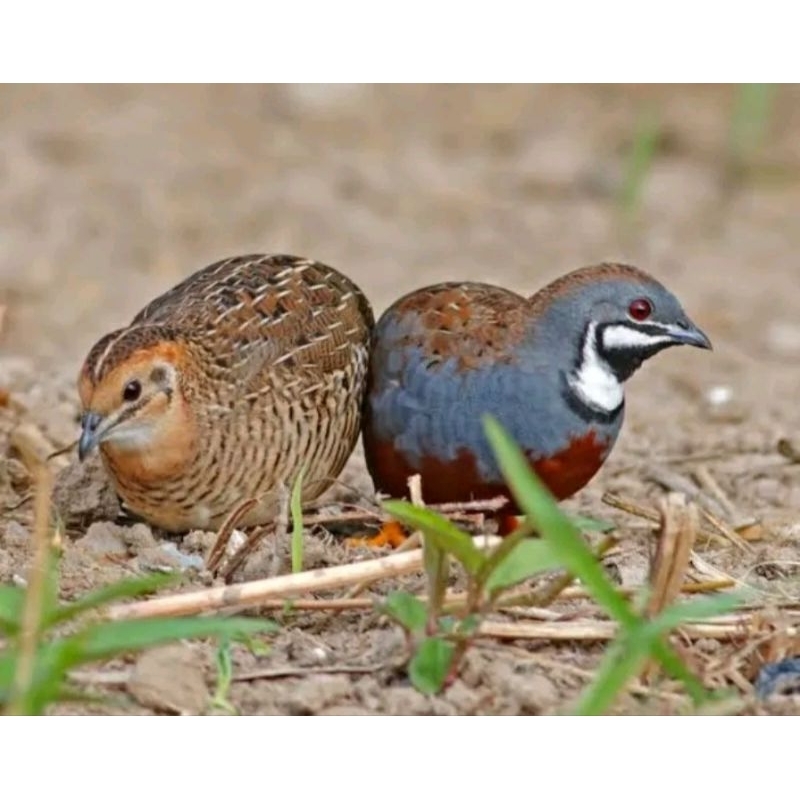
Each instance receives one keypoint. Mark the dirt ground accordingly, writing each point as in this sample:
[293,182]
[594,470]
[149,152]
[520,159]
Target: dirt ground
[110,195]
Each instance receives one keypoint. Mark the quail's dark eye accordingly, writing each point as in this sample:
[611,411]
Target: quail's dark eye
[131,391]
[640,309]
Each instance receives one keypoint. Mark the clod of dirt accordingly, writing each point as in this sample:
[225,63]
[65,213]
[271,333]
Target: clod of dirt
[199,541]
[82,494]
[464,699]
[138,537]
[171,679]
[531,692]
[104,539]
[311,697]
[407,701]
[14,475]
[15,535]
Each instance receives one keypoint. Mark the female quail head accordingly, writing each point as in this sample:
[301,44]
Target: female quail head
[226,387]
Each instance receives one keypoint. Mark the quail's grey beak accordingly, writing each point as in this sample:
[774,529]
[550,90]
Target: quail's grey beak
[687,332]
[90,435]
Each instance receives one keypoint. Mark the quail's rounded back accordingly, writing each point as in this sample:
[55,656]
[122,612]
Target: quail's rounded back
[226,386]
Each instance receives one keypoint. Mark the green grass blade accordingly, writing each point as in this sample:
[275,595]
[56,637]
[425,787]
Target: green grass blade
[443,532]
[12,599]
[108,639]
[640,160]
[544,514]
[436,563]
[224,677]
[591,524]
[689,610]
[628,655]
[622,662]
[296,507]
[431,664]
[121,590]
[751,114]
[552,524]
[528,558]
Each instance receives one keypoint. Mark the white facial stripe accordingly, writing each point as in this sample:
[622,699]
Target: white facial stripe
[99,363]
[593,381]
[623,337]
[98,367]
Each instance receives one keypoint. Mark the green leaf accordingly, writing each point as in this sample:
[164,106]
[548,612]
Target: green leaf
[528,558]
[431,664]
[12,599]
[501,551]
[108,639]
[469,625]
[254,645]
[591,524]
[121,590]
[408,610]
[444,533]
[296,506]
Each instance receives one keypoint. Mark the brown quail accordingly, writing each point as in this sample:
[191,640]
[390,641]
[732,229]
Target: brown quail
[226,386]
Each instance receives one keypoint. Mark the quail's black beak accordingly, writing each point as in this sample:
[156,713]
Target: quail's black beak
[89,435]
[686,332]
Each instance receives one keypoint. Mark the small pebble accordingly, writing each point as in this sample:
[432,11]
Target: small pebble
[721,404]
[170,678]
[167,558]
[235,542]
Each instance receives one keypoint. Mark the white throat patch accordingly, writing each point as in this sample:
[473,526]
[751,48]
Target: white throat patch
[131,435]
[593,381]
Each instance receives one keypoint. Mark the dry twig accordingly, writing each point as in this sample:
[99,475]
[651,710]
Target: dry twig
[679,522]
[217,551]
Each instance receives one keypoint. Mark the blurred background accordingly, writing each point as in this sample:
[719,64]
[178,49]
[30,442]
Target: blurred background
[111,194]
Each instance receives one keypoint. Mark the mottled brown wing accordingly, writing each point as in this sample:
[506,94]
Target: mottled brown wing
[471,323]
[256,313]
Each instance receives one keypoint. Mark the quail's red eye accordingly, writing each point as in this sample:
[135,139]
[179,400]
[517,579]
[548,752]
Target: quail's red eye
[640,309]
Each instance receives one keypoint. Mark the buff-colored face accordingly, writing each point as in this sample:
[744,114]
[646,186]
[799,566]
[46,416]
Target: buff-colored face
[134,405]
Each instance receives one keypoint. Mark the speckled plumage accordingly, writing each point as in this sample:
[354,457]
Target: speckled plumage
[270,357]
[445,355]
